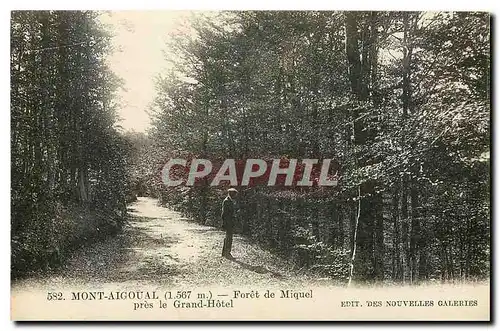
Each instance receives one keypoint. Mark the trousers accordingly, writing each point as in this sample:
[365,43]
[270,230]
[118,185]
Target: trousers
[228,242]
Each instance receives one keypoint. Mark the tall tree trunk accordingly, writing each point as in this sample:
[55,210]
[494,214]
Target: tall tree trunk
[354,246]
[396,240]
[370,224]
[83,184]
[415,232]
[406,105]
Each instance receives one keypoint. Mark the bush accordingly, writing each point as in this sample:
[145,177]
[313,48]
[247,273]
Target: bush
[48,240]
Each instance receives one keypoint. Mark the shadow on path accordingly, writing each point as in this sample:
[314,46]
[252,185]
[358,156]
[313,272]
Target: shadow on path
[136,253]
[257,268]
[158,246]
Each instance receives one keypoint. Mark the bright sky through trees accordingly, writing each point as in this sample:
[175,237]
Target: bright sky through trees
[139,40]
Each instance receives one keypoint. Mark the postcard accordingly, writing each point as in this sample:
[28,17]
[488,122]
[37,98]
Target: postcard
[250,165]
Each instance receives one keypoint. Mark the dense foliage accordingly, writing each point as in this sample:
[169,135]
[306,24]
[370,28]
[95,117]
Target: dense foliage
[68,160]
[401,100]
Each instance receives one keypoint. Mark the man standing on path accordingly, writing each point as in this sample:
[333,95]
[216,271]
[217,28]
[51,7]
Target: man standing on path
[228,218]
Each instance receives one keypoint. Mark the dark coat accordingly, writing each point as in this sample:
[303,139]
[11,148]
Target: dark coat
[228,210]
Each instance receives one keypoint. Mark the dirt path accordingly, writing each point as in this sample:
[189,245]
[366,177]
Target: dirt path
[160,251]
[161,248]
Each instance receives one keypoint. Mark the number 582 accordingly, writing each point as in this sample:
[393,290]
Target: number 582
[54,296]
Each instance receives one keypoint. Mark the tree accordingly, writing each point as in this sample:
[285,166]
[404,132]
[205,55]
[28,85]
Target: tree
[67,155]
[374,90]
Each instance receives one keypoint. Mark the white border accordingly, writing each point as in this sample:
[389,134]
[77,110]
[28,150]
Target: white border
[490,6]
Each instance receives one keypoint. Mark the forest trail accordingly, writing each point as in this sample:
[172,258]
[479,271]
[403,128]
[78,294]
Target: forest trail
[161,248]
[161,251]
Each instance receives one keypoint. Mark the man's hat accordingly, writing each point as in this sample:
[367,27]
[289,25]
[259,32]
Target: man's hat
[232,190]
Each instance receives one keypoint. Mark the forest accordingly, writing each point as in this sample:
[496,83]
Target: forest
[400,100]
[68,160]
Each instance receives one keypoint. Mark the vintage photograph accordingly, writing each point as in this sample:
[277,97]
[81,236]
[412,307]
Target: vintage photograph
[250,165]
